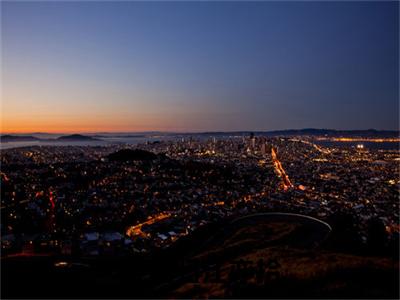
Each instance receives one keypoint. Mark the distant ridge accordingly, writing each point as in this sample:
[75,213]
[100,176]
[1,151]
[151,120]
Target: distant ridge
[373,133]
[333,132]
[119,136]
[8,138]
[76,137]
[18,138]
[315,132]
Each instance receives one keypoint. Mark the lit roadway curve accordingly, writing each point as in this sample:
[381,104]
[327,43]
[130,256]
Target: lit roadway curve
[137,229]
[286,183]
[311,234]
[318,148]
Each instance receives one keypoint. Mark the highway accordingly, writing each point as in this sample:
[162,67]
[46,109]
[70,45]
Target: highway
[286,183]
[318,148]
[137,229]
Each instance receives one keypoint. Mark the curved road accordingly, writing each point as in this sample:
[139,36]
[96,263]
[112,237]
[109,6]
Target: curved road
[312,232]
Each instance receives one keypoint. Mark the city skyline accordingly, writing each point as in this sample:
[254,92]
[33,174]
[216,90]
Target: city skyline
[190,67]
[199,149]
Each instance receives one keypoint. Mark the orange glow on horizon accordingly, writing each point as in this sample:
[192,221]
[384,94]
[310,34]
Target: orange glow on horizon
[81,130]
[45,126]
[88,122]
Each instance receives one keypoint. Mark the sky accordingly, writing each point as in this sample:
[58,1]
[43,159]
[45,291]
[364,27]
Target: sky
[198,66]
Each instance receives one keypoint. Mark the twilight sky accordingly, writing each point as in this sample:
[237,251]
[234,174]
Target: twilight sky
[193,66]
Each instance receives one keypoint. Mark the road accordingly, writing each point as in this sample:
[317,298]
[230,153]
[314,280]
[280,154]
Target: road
[137,229]
[286,183]
[315,231]
[309,233]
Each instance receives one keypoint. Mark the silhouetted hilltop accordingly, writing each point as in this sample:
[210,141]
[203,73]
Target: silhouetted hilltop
[311,132]
[129,155]
[120,136]
[76,137]
[335,133]
[18,138]
[369,133]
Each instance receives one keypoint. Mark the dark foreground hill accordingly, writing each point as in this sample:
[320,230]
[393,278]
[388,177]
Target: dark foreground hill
[253,258]
[263,257]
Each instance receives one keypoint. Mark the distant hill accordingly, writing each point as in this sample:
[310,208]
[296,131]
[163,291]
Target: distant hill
[18,138]
[120,136]
[310,131]
[76,137]
[29,138]
[333,132]
[372,133]
[131,155]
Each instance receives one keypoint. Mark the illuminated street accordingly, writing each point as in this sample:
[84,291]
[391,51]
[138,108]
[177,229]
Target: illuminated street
[286,184]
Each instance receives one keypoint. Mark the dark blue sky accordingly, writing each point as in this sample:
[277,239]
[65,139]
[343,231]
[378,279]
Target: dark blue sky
[123,66]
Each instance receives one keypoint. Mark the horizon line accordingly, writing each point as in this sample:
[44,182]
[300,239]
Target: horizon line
[189,131]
